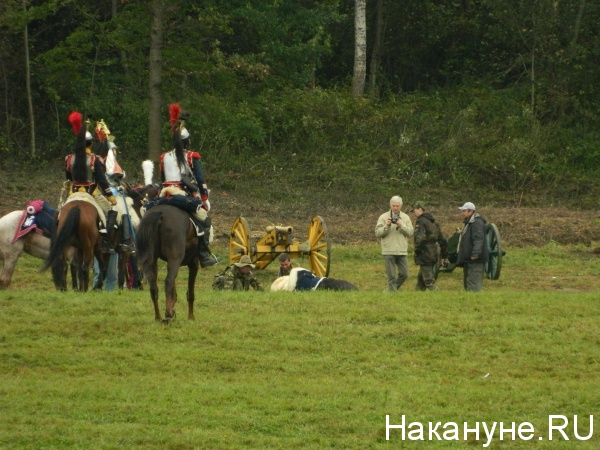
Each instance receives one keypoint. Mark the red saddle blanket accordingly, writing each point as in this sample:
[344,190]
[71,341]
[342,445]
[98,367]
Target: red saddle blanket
[30,222]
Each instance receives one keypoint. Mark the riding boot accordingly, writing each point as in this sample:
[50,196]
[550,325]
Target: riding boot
[204,254]
[127,244]
[111,221]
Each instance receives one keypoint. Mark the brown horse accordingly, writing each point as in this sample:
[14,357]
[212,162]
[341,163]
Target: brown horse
[166,232]
[77,239]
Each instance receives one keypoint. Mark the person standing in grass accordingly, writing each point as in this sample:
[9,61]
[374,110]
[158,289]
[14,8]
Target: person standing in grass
[472,248]
[392,231]
[428,235]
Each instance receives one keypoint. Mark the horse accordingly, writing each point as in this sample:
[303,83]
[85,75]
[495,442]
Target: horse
[167,232]
[129,201]
[301,279]
[34,244]
[128,261]
[77,239]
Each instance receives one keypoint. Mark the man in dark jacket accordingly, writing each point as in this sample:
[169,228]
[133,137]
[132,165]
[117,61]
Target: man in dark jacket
[472,248]
[428,235]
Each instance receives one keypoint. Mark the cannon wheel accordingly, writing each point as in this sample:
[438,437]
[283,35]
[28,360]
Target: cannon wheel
[239,240]
[320,247]
[494,262]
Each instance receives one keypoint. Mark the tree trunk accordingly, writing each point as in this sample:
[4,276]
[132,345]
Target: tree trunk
[376,48]
[28,86]
[154,80]
[360,48]
[114,11]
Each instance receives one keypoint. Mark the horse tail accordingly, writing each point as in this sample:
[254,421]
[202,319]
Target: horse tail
[148,238]
[60,240]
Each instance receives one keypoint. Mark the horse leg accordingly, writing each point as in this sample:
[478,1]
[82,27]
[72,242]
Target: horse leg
[88,263]
[74,281]
[100,267]
[10,254]
[152,276]
[193,268]
[61,281]
[122,268]
[170,289]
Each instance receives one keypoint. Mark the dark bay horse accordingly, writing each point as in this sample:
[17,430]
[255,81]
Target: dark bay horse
[77,239]
[166,232]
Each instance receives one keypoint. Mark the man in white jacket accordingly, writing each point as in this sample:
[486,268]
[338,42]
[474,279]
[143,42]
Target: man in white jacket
[393,230]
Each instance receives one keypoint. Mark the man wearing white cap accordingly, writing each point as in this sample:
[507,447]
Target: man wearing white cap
[472,248]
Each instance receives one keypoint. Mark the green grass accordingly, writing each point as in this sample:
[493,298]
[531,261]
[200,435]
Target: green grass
[303,370]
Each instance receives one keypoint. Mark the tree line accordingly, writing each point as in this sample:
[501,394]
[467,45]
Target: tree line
[503,91]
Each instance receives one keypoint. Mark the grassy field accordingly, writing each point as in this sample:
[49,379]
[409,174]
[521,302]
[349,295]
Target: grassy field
[307,370]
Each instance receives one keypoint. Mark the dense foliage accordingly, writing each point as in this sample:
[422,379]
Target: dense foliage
[476,94]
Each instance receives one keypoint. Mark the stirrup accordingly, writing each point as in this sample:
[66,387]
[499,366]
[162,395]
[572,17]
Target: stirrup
[207,260]
[129,247]
[105,246]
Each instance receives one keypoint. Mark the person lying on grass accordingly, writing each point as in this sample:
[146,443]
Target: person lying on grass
[301,279]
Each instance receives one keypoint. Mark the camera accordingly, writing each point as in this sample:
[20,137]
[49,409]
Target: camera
[395,218]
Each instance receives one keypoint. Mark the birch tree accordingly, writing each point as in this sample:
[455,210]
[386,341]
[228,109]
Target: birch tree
[360,48]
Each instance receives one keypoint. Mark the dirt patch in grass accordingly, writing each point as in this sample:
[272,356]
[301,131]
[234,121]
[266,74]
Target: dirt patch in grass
[347,224]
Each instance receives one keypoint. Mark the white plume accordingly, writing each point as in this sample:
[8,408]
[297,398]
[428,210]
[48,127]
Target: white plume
[148,169]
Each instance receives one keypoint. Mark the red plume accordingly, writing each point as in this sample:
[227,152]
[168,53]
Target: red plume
[100,134]
[174,111]
[75,119]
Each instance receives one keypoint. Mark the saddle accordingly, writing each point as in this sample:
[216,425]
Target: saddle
[85,197]
[191,205]
[38,217]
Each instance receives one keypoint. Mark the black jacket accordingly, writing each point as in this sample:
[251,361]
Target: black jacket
[472,241]
[427,237]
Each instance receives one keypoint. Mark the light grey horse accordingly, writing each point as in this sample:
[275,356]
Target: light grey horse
[32,243]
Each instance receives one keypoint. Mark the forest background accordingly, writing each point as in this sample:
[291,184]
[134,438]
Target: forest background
[494,100]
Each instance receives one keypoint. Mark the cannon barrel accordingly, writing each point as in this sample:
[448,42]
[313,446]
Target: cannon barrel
[279,229]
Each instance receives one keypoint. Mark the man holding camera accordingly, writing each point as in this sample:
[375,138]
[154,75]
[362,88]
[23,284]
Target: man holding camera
[392,231]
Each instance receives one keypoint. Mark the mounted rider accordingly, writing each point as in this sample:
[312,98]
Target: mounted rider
[114,174]
[86,173]
[181,174]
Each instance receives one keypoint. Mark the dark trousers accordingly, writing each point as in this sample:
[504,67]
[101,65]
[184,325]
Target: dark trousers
[426,279]
[473,276]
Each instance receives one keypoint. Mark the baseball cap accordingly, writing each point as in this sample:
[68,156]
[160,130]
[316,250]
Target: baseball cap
[467,206]
[417,204]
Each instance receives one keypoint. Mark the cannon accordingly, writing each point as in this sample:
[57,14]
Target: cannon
[493,265]
[279,239]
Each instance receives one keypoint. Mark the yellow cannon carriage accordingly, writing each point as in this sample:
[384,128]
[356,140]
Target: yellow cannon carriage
[279,239]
